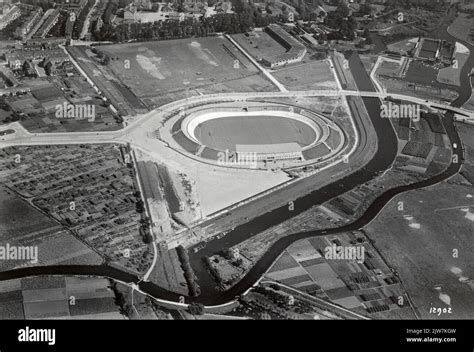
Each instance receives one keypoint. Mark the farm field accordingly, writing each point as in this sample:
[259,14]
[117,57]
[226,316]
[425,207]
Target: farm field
[23,225]
[18,218]
[420,242]
[59,172]
[226,133]
[58,297]
[57,248]
[177,68]
[367,288]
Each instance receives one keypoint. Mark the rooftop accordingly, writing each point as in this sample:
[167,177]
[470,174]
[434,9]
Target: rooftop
[281,148]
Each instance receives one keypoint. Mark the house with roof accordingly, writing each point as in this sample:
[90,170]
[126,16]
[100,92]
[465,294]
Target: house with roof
[196,8]
[130,12]
[8,14]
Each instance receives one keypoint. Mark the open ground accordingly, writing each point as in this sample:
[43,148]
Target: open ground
[463,27]
[159,72]
[430,244]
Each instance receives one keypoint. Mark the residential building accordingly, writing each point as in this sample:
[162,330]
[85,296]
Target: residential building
[8,14]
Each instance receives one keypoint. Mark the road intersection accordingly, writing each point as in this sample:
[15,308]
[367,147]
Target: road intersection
[125,135]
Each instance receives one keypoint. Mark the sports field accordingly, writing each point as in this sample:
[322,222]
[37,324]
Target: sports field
[226,133]
[403,47]
[259,44]
[153,69]
[307,76]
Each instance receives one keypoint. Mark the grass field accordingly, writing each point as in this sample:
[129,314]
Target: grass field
[463,27]
[172,67]
[18,219]
[23,225]
[168,273]
[106,82]
[259,45]
[419,72]
[420,150]
[307,76]
[390,69]
[466,132]
[419,242]
[226,133]
[452,74]
[403,47]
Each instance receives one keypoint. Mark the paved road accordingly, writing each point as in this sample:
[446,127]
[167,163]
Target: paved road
[262,69]
[23,137]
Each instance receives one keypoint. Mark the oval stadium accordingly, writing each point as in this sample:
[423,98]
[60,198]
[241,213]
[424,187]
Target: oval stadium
[254,135]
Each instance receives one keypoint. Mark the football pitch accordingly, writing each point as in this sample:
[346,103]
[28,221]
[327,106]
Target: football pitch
[226,133]
[154,68]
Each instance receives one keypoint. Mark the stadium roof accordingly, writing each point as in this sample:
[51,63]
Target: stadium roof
[281,148]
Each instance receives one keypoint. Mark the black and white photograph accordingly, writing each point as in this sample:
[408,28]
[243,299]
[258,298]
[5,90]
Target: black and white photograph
[237,161]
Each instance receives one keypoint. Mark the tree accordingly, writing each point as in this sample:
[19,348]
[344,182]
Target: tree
[365,9]
[140,206]
[196,308]
[239,6]
[368,38]
[275,286]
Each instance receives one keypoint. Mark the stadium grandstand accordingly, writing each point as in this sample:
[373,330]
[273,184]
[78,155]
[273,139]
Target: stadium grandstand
[270,152]
[295,51]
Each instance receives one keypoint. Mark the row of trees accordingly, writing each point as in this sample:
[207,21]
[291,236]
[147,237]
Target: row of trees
[191,279]
[246,16]
[173,29]
[341,20]
[410,4]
